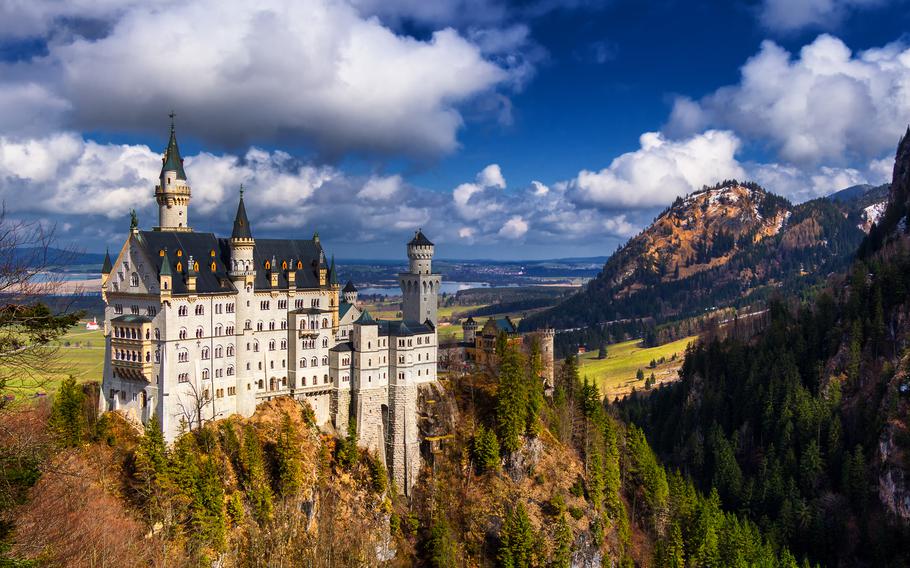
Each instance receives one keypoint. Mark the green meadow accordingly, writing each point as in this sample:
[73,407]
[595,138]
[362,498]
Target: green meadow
[615,375]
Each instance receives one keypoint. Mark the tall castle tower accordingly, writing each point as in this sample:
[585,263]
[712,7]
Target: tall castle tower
[172,192]
[243,275]
[419,286]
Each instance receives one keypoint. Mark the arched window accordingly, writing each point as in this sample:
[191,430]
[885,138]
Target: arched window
[303,363]
[182,333]
[199,332]
[256,346]
[272,325]
[260,384]
[284,344]
[325,360]
[325,379]
[205,352]
[272,345]
[325,341]
[230,371]
[230,350]
[181,311]
[325,322]
[205,374]
[134,280]
[247,325]
[314,361]
[219,330]
[200,310]
[219,352]
[258,326]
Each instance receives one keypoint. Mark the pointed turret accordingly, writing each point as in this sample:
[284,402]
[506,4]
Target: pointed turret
[172,192]
[349,293]
[172,162]
[333,275]
[241,223]
[107,266]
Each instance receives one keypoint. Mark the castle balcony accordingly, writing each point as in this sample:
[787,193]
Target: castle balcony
[133,370]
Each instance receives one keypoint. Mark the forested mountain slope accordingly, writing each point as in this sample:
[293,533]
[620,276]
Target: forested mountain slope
[726,245]
[805,429]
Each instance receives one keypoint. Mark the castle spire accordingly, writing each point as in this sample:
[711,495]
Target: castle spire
[333,276]
[108,266]
[241,223]
[172,162]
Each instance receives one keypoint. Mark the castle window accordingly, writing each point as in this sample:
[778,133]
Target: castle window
[157,333]
[214,266]
[256,347]
[232,390]
[218,330]
[284,381]
[229,330]
[134,280]
[271,364]
[303,381]
[229,308]
[314,361]
[151,311]
[325,379]
[315,380]
[157,356]
[260,365]
[272,325]
[183,378]
[183,356]
[196,265]
[118,308]
[260,384]
[219,352]
[258,326]
[212,253]
[298,304]
[179,266]
[282,304]
[205,352]
[284,324]
[284,344]
[219,393]
[325,341]
[200,310]
[161,252]
[325,360]
[248,325]
[205,374]
[299,265]
[325,322]
[134,309]
[230,373]
[179,253]
[181,311]
[182,333]
[272,345]
[284,265]
[303,363]
[199,333]
[230,350]
[268,265]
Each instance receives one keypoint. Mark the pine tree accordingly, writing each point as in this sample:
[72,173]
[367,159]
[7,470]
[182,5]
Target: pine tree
[486,449]
[511,400]
[67,415]
[440,545]
[254,475]
[563,539]
[517,540]
[639,375]
[287,459]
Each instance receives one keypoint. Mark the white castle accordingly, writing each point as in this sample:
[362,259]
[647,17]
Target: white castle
[198,328]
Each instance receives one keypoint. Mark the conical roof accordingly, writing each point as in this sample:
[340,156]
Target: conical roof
[172,160]
[107,267]
[420,239]
[349,287]
[165,265]
[241,223]
[366,319]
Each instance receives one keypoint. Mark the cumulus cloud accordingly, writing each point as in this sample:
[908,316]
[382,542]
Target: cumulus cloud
[380,188]
[802,184]
[793,15]
[514,228]
[238,72]
[826,106]
[660,170]
[470,199]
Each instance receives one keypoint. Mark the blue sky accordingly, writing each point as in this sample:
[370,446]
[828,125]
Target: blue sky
[538,129]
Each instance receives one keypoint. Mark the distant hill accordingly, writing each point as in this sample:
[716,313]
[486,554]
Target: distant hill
[864,204]
[725,245]
[57,257]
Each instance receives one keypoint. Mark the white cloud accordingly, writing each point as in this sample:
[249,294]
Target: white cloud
[491,176]
[827,106]
[540,189]
[661,170]
[238,71]
[514,228]
[792,15]
[380,188]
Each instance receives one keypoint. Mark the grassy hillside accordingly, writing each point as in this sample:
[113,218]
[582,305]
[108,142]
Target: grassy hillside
[615,375]
[81,354]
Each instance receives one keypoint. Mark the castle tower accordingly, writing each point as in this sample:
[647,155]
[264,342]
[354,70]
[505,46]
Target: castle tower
[172,192]
[419,286]
[242,274]
[349,293]
[469,326]
[404,436]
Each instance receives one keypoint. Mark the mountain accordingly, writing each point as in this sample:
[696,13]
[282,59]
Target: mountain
[863,204]
[805,426]
[730,244]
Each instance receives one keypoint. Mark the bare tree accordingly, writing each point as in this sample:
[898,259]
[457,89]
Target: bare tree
[193,409]
[29,328]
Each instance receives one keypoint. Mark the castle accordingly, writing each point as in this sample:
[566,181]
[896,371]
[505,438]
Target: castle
[480,343]
[199,327]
